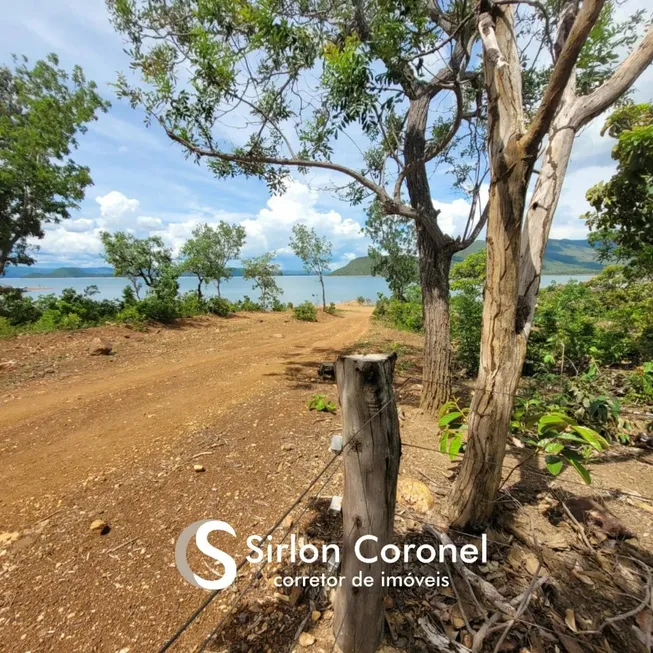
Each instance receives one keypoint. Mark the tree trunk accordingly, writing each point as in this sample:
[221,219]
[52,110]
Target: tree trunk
[435,254]
[323,293]
[217,283]
[472,497]
[199,290]
[434,266]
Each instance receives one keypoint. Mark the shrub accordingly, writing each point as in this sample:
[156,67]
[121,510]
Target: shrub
[331,309]
[49,321]
[306,312]
[130,315]
[219,306]
[246,304]
[6,328]
[278,306]
[361,300]
[18,309]
[189,305]
[158,309]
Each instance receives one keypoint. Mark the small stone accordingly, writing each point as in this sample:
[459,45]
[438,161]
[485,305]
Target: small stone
[415,494]
[287,447]
[199,468]
[306,640]
[315,615]
[327,615]
[287,523]
[8,538]
[100,526]
[6,366]
[277,335]
[295,595]
[100,347]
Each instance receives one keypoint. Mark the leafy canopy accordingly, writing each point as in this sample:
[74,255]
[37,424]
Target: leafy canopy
[262,271]
[140,259]
[621,223]
[42,111]
[208,252]
[394,253]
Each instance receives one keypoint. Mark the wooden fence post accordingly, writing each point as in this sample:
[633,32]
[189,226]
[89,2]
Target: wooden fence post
[372,448]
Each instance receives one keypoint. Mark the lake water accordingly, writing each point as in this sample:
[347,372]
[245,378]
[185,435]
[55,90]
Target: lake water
[296,289]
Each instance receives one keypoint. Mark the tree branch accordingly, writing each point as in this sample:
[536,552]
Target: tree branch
[620,81]
[388,203]
[562,71]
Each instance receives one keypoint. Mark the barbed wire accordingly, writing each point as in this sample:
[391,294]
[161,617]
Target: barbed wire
[312,484]
[278,523]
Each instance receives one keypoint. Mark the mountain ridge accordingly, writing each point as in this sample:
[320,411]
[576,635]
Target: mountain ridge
[563,256]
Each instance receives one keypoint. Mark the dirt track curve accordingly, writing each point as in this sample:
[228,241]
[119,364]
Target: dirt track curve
[116,437]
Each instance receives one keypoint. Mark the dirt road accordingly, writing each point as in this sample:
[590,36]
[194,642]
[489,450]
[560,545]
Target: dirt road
[115,437]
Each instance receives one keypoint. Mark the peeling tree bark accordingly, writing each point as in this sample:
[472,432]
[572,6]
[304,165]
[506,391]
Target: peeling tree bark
[514,267]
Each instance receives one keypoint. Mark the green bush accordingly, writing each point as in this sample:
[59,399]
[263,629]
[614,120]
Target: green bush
[247,305]
[130,315]
[278,306]
[6,328]
[18,309]
[306,312]
[189,305]
[158,309]
[50,320]
[219,306]
[331,309]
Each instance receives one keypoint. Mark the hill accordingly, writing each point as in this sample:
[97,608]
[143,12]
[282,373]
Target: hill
[562,257]
[63,273]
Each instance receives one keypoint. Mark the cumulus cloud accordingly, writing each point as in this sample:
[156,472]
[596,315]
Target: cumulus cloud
[114,205]
[272,225]
[454,215]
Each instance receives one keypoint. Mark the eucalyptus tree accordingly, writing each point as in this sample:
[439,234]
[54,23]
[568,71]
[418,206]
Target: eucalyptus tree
[315,252]
[43,110]
[571,94]
[142,260]
[303,80]
[208,251]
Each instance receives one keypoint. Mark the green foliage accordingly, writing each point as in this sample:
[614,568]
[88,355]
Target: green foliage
[190,304]
[42,111]
[331,309]
[321,404]
[361,300]
[208,252]
[466,305]
[130,315]
[407,315]
[7,330]
[262,271]
[641,383]
[314,251]
[556,436]
[219,306]
[140,259]
[453,428]
[247,305]
[622,219]
[279,307]
[607,319]
[394,256]
[306,312]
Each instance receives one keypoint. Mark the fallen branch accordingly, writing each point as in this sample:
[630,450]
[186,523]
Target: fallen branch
[440,641]
[487,590]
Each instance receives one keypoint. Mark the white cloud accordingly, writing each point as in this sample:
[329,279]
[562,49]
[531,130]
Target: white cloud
[114,205]
[454,215]
[271,228]
[80,225]
[148,222]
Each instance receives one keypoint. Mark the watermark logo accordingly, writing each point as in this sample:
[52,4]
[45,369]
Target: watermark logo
[200,530]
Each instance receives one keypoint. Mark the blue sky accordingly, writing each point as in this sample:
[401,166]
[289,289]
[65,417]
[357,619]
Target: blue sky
[142,181]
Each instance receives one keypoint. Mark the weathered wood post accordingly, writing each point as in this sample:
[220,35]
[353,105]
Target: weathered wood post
[372,448]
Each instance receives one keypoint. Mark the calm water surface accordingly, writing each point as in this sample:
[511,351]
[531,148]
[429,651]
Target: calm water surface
[295,289]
